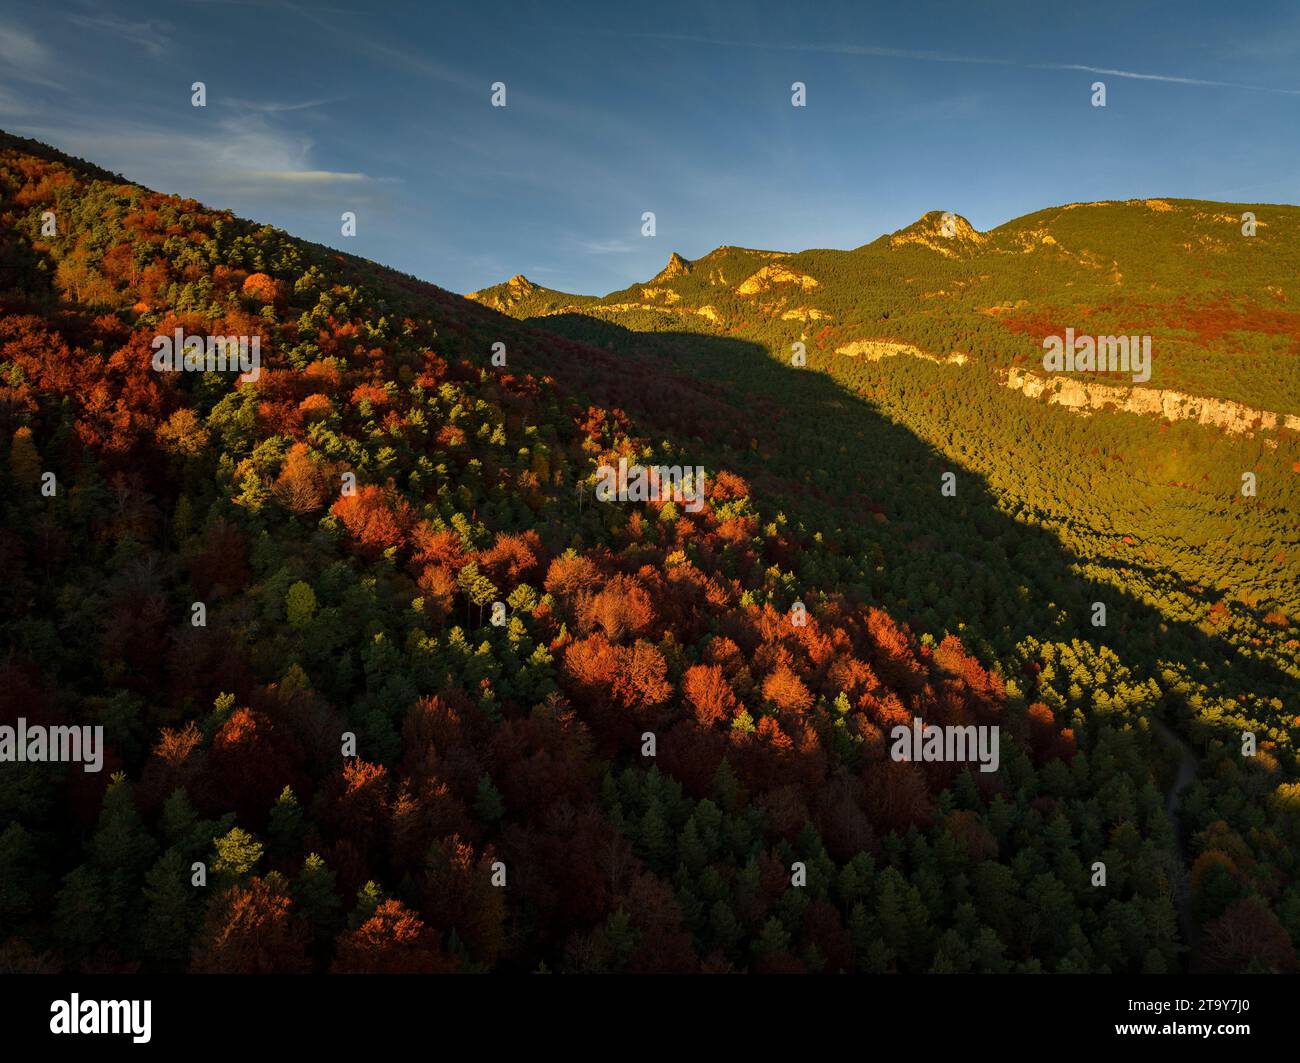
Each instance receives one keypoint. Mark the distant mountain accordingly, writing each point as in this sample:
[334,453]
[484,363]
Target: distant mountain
[520,297]
[1222,308]
[946,234]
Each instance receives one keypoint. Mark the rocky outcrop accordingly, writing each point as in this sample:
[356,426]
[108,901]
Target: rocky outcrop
[875,350]
[805,314]
[504,296]
[772,275]
[1085,396]
[666,294]
[949,234]
[625,308]
[677,267]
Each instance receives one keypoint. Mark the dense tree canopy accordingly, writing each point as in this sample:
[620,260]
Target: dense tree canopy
[447,711]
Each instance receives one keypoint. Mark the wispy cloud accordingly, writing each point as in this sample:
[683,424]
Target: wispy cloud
[20,50]
[24,58]
[607,247]
[275,107]
[12,106]
[310,177]
[237,151]
[153,36]
[357,39]
[794,46]
[940,57]
[1109,72]
[240,153]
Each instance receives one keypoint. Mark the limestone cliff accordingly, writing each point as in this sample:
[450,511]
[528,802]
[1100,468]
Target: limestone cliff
[1085,396]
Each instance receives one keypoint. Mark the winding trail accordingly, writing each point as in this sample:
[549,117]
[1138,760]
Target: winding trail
[1187,768]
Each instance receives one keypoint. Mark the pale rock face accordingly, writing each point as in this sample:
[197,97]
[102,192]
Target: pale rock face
[667,294]
[677,267]
[805,314]
[708,312]
[1073,394]
[518,288]
[1084,396]
[928,232]
[1031,385]
[875,350]
[769,276]
[625,308]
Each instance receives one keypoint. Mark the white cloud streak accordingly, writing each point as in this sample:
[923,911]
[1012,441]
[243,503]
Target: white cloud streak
[941,57]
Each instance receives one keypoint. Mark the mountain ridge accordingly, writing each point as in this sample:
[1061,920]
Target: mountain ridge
[1217,294]
[929,223]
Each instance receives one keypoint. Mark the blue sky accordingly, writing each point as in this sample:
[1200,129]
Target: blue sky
[681,109]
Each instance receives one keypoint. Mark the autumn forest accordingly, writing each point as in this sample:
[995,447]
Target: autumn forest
[387,683]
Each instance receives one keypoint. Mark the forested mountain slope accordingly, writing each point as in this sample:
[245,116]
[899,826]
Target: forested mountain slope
[1220,306]
[625,771]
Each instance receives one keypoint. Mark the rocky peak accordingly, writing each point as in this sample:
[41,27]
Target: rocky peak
[940,230]
[677,267]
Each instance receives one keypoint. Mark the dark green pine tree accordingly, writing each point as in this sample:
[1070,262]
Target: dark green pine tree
[369,898]
[79,912]
[172,909]
[654,836]
[723,926]
[726,788]
[22,881]
[121,850]
[284,832]
[621,937]
[488,802]
[314,890]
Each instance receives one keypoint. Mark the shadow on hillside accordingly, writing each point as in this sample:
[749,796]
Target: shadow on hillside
[829,457]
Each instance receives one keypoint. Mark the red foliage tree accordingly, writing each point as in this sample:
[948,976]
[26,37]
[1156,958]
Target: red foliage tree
[622,609]
[784,689]
[250,762]
[376,522]
[709,694]
[360,805]
[251,929]
[571,574]
[513,559]
[432,547]
[640,680]
[392,941]
[261,287]
[304,483]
